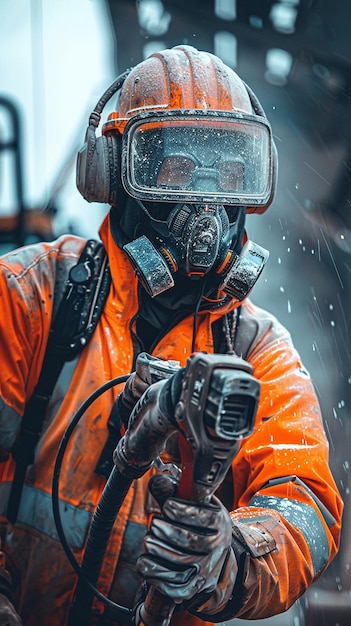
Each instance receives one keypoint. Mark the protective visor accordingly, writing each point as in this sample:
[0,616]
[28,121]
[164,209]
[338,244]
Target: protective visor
[215,157]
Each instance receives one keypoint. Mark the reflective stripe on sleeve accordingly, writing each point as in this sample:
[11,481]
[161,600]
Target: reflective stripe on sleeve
[304,517]
[330,521]
[36,511]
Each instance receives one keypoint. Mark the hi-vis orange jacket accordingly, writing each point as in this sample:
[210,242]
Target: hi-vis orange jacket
[285,506]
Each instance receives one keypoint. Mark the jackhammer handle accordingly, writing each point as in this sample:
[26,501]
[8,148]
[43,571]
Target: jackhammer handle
[156,610]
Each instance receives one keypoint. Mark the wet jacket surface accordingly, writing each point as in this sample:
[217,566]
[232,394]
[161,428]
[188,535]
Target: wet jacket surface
[283,500]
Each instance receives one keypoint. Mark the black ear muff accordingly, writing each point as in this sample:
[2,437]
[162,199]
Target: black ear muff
[98,161]
[259,110]
[98,168]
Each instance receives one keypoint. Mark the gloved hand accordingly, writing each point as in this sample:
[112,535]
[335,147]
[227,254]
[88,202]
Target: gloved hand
[135,386]
[188,554]
[8,615]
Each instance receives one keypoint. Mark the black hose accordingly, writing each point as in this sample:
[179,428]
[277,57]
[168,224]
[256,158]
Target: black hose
[104,517]
[117,483]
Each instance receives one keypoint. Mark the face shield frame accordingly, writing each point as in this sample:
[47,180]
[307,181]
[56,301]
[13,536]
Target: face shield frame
[222,123]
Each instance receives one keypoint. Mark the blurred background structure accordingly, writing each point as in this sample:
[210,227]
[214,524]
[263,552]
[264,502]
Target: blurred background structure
[59,56]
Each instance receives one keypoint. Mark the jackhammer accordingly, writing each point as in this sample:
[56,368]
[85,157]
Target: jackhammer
[212,404]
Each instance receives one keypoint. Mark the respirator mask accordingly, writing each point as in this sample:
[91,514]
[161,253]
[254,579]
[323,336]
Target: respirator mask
[193,174]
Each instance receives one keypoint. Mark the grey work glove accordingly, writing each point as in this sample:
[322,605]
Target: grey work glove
[134,388]
[188,554]
[148,369]
[8,614]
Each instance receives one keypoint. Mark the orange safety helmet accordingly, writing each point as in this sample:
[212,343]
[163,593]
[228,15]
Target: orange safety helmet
[195,92]
[180,78]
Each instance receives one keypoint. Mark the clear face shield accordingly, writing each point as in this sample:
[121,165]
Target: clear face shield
[200,157]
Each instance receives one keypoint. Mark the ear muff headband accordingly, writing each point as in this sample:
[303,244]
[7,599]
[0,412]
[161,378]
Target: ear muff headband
[98,161]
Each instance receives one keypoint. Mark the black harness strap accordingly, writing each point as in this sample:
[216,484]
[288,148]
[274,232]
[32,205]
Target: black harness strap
[72,327]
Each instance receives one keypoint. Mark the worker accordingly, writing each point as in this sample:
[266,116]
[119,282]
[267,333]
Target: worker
[187,154]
